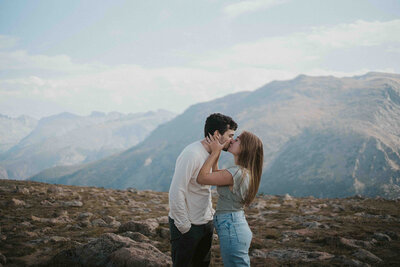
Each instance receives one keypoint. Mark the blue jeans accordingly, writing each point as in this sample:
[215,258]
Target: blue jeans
[234,238]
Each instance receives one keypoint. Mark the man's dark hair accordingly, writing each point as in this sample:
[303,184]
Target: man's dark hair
[220,122]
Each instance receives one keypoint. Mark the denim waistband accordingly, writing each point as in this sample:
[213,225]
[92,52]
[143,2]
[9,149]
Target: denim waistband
[230,215]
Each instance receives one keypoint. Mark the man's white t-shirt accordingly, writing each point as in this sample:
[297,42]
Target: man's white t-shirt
[189,201]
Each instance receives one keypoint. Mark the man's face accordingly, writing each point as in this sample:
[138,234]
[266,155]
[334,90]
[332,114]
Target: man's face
[228,135]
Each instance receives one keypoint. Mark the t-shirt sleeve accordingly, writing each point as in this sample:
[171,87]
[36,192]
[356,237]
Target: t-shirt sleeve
[240,184]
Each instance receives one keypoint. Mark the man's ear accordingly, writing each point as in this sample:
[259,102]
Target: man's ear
[216,132]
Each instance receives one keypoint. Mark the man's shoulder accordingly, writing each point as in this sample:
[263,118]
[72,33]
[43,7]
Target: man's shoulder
[194,147]
[192,151]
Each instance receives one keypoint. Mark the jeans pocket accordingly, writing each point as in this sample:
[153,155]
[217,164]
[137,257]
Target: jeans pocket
[222,223]
[243,233]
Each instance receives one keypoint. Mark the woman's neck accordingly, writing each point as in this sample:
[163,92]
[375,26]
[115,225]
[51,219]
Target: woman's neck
[236,159]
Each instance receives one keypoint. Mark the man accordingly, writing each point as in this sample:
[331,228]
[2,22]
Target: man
[191,212]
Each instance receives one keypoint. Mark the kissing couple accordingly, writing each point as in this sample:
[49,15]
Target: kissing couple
[191,216]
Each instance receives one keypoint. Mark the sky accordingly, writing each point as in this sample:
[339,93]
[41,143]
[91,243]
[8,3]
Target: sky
[137,56]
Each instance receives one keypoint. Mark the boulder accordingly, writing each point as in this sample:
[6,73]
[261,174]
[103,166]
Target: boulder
[142,254]
[147,227]
[55,190]
[363,254]
[163,220]
[111,250]
[22,190]
[136,236]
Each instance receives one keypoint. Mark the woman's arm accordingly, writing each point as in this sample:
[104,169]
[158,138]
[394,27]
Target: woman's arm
[215,165]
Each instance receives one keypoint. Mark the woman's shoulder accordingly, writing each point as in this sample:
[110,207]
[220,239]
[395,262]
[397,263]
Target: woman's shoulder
[234,170]
[237,171]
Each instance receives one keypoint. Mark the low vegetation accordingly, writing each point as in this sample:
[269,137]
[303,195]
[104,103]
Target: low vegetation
[39,222]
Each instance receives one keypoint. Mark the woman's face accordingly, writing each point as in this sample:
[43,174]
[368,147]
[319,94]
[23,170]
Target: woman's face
[234,147]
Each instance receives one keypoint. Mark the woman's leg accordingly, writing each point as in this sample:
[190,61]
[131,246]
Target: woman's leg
[241,243]
[235,237]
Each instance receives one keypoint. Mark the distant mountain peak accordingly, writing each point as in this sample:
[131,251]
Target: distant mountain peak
[97,114]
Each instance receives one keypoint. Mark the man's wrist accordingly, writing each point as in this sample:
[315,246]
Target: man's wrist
[184,228]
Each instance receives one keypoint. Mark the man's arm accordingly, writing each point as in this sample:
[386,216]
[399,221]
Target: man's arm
[184,170]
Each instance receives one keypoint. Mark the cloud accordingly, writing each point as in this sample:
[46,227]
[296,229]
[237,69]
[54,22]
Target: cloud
[21,60]
[359,33]
[7,41]
[81,88]
[303,50]
[237,9]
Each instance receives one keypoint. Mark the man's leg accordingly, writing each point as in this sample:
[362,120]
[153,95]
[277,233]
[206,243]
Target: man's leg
[183,246]
[202,255]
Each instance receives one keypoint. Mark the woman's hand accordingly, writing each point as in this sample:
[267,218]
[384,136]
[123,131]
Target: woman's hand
[213,142]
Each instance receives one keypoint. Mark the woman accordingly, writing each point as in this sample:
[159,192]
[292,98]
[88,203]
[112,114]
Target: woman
[237,187]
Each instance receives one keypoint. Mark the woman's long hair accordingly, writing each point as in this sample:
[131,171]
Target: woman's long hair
[251,158]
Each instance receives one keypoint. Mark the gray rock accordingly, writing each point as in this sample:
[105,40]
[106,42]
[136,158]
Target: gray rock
[85,215]
[163,220]
[147,227]
[99,223]
[287,197]
[22,190]
[310,210]
[136,236]
[382,237]
[26,224]
[142,254]
[74,203]
[46,203]
[56,239]
[164,232]
[344,261]
[58,220]
[315,225]
[3,259]
[111,250]
[17,203]
[55,190]
[363,254]
[112,222]
[292,254]
[393,235]
[348,243]
[85,223]
[132,190]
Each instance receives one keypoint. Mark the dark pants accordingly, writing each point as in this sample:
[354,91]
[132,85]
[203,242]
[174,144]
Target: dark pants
[192,248]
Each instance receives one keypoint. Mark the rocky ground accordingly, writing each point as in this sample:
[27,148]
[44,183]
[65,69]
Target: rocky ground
[58,225]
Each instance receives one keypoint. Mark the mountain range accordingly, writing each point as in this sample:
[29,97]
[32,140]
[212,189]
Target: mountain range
[323,136]
[13,130]
[67,139]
